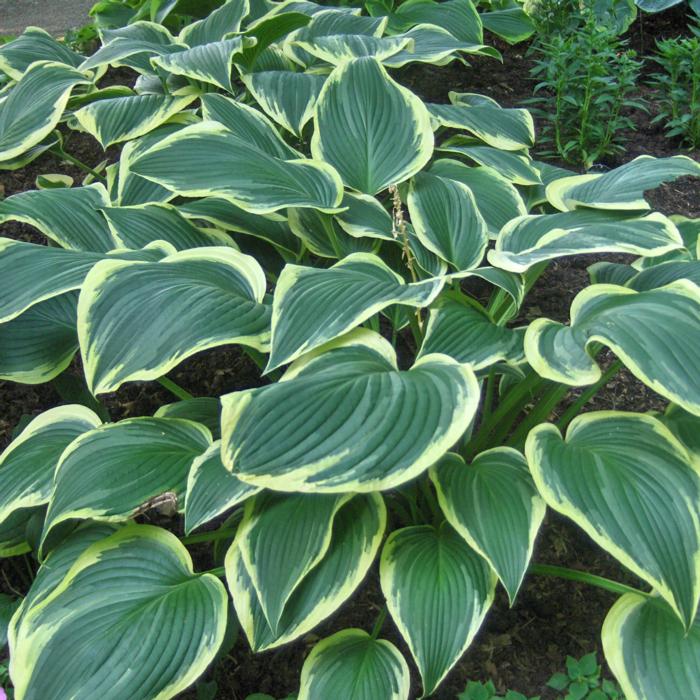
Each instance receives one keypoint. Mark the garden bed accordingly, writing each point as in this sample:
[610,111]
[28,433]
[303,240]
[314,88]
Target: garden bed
[518,647]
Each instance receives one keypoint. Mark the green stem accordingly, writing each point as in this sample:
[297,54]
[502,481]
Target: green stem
[379,623]
[79,163]
[488,394]
[587,395]
[539,414]
[173,388]
[220,571]
[583,577]
[513,403]
[209,536]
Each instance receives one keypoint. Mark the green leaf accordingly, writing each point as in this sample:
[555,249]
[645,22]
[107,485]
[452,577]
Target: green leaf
[356,112]
[34,45]
[511,24]
[528,240]
[618,317]
[622,188]
[281,539]
[208,160]
[217,24]
[513,166]
[447,220]
[468,334]
[338,415]
[208,63]
[459,17]
[312,306]
[287,97]
[627,481]
[137,226]
[438,591]
[143,617]
[30,273]
[108,473]
[212,489]
[496,198]
[372,668]
[125,118]
[204,409]
[434,45]
[649,651]
[247,124]
[68,216]
[40,343]
[7,609]
[34,106]
[338,48]
[28,464]
[364,216]
[506,129]
[272,228]
[322,235]
[494,505]
[356,533]
[224,291]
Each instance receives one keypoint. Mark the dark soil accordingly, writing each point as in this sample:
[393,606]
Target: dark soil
[518,647]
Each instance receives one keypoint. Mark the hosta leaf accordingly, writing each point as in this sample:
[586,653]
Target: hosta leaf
[208,160]
[288,98]
[351,660]
[528,240]
[203,409]
[621,188]
[364,216]
[268,30]
[8,606]
[139,225]
[514,166]
[57,564]
[447,220]
[27,466]
[217,24]
[497,199]
[506,129]
[438,591]
[511,24]
[68,216]
[31,273]
[627,481]
[459,17]
[40,343]
[656,5]
[494,505]
[323,236]
[435,45]
[34,106]
[207,297]
[125,118]
[684,426]
[312,306]
[31,154]
[467,334]
[281,539]
[248,124]
[222,213]
[668,318]
[133,595]
[649,651]
[356,113]
[356,533]
[34,45]
[209,63]
[108,473]
[212,489]
[338,48]
[340,413]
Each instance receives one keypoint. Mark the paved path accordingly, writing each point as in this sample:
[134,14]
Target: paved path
[56,16]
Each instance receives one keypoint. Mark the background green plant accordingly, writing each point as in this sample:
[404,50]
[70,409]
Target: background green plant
[677,88]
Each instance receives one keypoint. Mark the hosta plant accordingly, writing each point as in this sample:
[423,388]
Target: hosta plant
[278,190]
